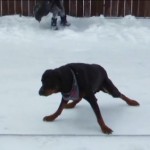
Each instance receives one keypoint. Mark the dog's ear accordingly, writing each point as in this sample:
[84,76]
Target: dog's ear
[57,73]
[51,74]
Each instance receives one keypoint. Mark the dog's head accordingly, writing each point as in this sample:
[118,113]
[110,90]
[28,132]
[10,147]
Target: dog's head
[50,83]
[40,10]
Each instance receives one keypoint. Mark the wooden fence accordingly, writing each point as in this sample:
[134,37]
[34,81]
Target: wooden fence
[80,8]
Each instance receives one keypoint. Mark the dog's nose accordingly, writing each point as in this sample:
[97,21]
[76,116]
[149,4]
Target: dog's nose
[41,91]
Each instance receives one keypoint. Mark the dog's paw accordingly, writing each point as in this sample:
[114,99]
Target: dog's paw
[106,130]
[49,118]
[133,103]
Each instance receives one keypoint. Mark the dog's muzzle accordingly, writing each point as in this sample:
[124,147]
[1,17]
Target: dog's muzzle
[46,92]
[41,91]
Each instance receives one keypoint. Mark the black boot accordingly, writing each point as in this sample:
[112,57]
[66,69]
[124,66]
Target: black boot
[64,21]
[54,24]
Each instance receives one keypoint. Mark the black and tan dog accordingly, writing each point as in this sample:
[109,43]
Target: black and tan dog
[76,81]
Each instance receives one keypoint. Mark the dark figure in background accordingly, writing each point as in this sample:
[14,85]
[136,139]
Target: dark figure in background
[56,7]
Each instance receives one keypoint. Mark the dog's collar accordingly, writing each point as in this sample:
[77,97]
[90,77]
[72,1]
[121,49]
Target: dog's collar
[74,93]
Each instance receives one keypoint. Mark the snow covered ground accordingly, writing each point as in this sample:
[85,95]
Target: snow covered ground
[27,49]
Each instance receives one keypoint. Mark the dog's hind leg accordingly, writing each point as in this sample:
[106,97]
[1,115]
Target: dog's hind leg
[110,88]
[129,101]
[72,104]
[93,102]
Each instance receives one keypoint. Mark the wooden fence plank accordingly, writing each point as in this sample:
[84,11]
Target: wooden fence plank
[25,7]
[0,7]
[31,6]
[73,7]
[97,7]
[135,7]
[100,7]
[93,8]
[141,8]
[128,7]
[115,8]
[4,7]
[11,7]
[147,8]
[121,8]
[18,7]
[87,8]
[107,11]
[80,8]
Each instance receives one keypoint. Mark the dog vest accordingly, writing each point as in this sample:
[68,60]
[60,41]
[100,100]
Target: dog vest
[74,93]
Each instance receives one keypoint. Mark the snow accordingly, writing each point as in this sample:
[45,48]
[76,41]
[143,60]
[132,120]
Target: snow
[28,48]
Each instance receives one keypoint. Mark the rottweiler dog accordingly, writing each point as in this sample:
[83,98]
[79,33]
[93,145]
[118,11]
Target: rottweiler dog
[79,80]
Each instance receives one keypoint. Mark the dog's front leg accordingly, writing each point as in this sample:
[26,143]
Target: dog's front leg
[72,104]
[57,113]
[93,102]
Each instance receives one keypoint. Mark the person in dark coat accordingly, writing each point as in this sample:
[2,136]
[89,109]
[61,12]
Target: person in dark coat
[56,7]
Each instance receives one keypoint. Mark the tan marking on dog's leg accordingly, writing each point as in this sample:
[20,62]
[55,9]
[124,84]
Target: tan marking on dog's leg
[57,113]
[129,101]
[72,104]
